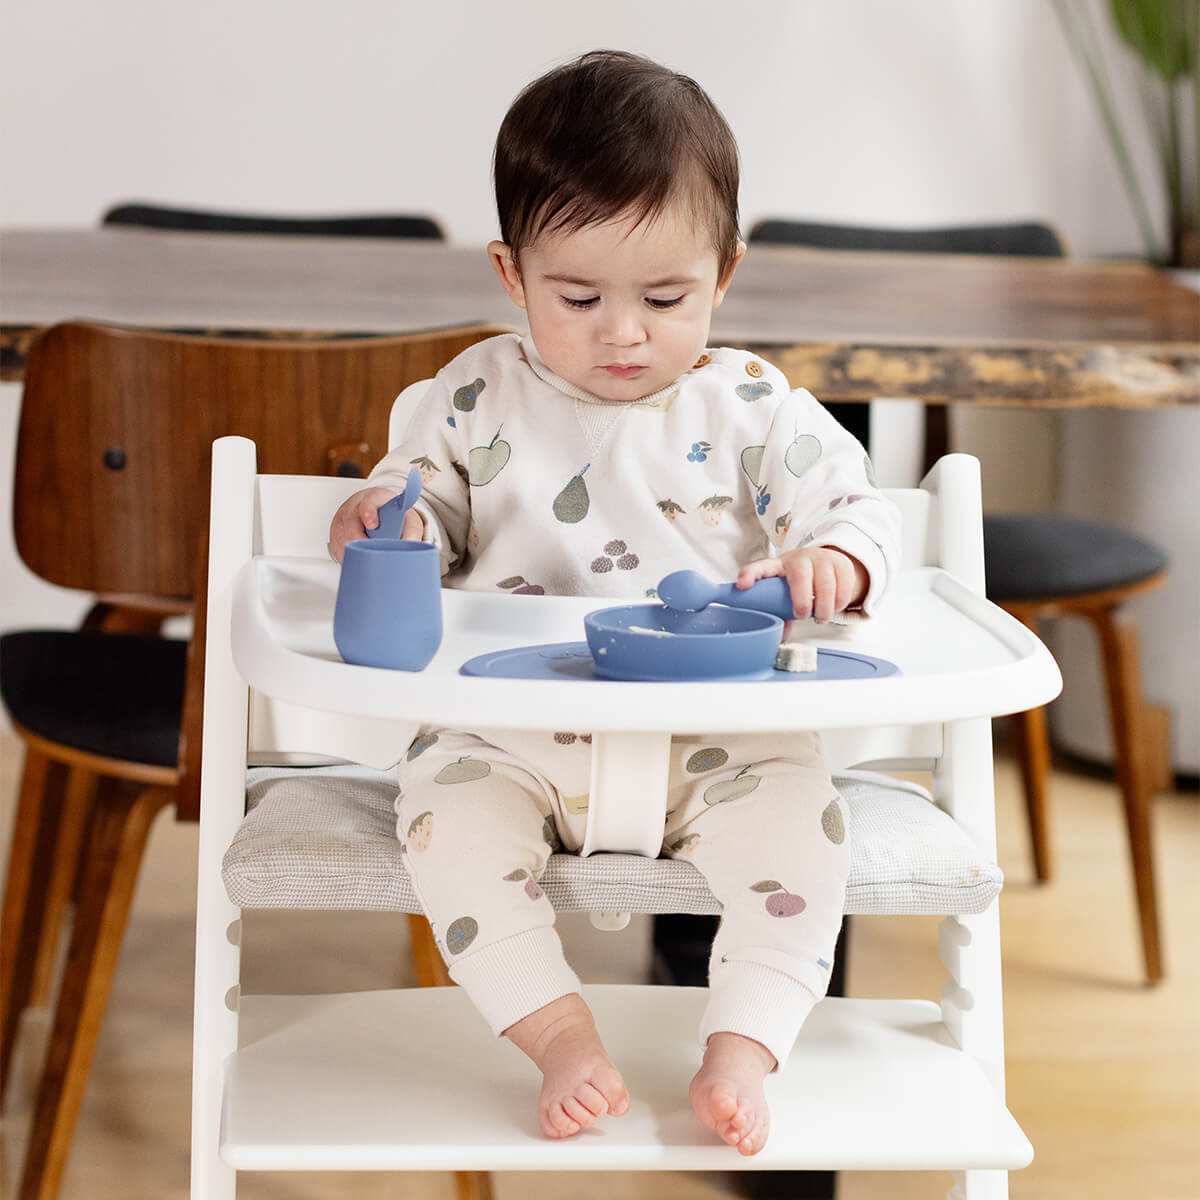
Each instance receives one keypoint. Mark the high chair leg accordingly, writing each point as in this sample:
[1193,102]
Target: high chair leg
[72,822]
[117,840]
[34,832]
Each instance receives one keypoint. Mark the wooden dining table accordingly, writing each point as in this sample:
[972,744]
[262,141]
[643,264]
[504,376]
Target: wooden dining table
[848,326]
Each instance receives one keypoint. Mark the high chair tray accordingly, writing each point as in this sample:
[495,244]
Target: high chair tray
[372,1081]
[958,656]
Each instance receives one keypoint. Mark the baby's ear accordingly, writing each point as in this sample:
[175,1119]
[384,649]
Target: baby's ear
[727,276]
[504,263]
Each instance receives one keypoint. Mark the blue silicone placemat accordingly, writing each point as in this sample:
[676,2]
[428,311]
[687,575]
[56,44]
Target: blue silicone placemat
[573,660]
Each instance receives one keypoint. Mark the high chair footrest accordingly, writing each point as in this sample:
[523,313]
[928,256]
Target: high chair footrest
[413,1080]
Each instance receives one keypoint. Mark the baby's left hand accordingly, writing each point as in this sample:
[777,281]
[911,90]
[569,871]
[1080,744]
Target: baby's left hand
[823,581]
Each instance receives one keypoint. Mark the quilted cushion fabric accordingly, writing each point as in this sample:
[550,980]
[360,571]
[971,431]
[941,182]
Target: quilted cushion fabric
[324,837]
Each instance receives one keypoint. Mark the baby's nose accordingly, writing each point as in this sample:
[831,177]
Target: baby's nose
[622,327]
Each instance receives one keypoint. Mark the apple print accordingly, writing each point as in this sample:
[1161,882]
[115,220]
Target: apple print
[711,509]
[461,934]
[833,823]
[484,463]
[465,770]
[572,503]
[532,890]
[732,789]
[420,831]
[707,759]
[781,902]
[465,396]
[420,744]
[783,524]
[803,453]
[669,509]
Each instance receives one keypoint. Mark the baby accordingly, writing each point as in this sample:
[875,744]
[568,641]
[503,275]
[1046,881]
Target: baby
[605,449]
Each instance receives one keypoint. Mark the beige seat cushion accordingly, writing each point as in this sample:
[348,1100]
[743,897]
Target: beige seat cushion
[324,837]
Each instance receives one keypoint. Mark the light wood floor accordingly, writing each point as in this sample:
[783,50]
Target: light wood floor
[1103,1073]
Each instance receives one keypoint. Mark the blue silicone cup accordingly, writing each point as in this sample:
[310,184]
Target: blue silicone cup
[666,644]
[389,604]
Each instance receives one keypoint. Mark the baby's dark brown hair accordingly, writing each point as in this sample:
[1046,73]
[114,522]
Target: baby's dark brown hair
[613,134]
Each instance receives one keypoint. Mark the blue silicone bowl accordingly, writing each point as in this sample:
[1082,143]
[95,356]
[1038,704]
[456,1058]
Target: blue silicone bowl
[650,642]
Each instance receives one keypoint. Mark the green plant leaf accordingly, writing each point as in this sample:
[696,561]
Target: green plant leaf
[1157,32]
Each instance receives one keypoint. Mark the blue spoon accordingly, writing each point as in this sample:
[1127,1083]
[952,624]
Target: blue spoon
[392,514]
[691,592]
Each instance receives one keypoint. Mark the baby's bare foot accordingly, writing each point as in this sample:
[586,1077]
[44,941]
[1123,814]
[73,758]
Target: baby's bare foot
[579,1081]
[727,1092]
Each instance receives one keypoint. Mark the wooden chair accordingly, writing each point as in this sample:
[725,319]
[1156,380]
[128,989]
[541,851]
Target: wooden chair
[111,498]
[405,1080]
[1046,565]
[195,220]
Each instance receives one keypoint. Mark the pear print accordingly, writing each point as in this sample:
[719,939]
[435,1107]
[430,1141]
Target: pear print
[484,463]
[707,759]
[783,524]
[803,453]
[461,934]
[752,458]
[465,770]
[732,789]
[754,391]
[710,510]
[420,831]
[781,902]
[571,504]
[532,890]
[420,744]
[669,509]
[833,823]
[465,396]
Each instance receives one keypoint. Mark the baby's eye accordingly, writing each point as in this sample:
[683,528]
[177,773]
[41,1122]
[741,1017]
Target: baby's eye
[573,302]
[663,305]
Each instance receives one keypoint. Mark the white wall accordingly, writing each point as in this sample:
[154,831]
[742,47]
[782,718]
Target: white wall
[925,112]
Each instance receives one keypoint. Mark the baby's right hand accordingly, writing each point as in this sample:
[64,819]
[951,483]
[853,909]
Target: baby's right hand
[360,513]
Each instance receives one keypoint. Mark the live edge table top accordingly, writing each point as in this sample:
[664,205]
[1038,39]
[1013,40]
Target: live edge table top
[848,326]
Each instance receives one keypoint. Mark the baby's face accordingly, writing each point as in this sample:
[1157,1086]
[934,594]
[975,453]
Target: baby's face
[620,310]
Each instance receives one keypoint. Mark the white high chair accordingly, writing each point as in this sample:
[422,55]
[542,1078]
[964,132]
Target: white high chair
[412,1079]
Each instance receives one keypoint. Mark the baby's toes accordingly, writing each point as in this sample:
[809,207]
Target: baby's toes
[579,1112]
[754,1138]
[611,1086]
[556,1122]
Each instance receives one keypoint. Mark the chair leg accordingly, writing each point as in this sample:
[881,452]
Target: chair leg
[72,823]
[121,824]
[1122,671]
[1032,745]
[431,970]
[29,868]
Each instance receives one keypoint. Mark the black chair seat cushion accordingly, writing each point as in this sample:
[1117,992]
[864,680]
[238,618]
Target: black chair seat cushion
[115,694]
[1038,556]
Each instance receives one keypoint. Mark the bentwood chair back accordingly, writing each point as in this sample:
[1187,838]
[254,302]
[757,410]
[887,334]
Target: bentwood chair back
[1045,565]
[111,499]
